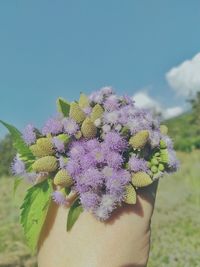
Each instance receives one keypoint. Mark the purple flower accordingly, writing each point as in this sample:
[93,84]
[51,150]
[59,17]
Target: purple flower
[136,164]
[106,206]
[87,161]
[29,134]
[114,141]
[98,155]
[62,162]
[116,182]
[107,90]
[18,166]
[52,126]
[112,103]
[92,177]
[168,141]
[89,200]
[73,168]
[59,198]
[87,110]
[92,144]
[77,150]
[96,97]
[173,161]
[58,144]
[114,160]
[111,117]
[70,126]
[154,138]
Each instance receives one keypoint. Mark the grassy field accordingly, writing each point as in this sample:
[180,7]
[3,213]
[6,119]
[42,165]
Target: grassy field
[175,224]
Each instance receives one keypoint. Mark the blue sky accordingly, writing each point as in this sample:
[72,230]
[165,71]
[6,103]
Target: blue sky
[59,48]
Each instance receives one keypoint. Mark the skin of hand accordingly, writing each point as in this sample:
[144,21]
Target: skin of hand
[122,241]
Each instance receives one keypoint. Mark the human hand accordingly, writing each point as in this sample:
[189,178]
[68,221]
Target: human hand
[122,241]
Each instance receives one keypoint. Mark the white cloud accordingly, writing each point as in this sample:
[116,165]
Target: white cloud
[185,78]
[172,112]
[143,100]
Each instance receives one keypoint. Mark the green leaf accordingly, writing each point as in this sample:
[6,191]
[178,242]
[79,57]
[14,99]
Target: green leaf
[18,142]
[74,212]
[17,182]
[63,106]
[34,211]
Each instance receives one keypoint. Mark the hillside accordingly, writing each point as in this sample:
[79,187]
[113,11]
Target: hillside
[184,132]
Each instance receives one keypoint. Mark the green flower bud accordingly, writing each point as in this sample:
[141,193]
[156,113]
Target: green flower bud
[130,195]
[154,169]
[161,167]
[76,113]
[43,147]
[88,129]
[45,164]
[141,179]
[154,161]
[162,144]
[62,178]
[96,113]
[83,101]
[139,140]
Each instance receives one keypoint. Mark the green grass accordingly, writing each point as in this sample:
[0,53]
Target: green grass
[175,223]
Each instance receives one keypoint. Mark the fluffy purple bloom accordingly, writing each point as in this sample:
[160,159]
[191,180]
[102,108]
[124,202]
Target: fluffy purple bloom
[115,142]
[92,177]
[112,103]
[116,182]
[77,150]
[137,164]
[107,205]
[87,110]
[92,144]
[87,161]
[59,198]
[98,155]
[52,126]
[62,162]
[114,160]
[29,134]
[173,161]
[18,166]
[89,200]
[127,100]
[154,138]
[73,167]
[111,117]
[70,126]
[107,90]
[96,97]
[58,144]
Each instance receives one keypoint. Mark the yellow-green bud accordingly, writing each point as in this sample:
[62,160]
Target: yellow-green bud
[141,179]
[45,164]
[43,147]
[88,129]
[62,178]
[154,161]
[162,144]
[164,156]
[78,135]
[154,169]
[130,195]
[139,140]
[83,101]
[96,113]
[163,129]
[161,167]
[76,113]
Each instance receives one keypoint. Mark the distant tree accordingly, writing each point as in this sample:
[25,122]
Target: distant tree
[7,153]
[195,104]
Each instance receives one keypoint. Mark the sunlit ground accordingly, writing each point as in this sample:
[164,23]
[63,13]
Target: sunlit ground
[175,224]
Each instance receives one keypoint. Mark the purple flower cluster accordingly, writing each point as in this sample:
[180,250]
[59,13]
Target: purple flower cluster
[101,167]
[96,168]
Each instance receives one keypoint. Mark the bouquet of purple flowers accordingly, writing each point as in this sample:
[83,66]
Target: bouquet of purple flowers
[92,156]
